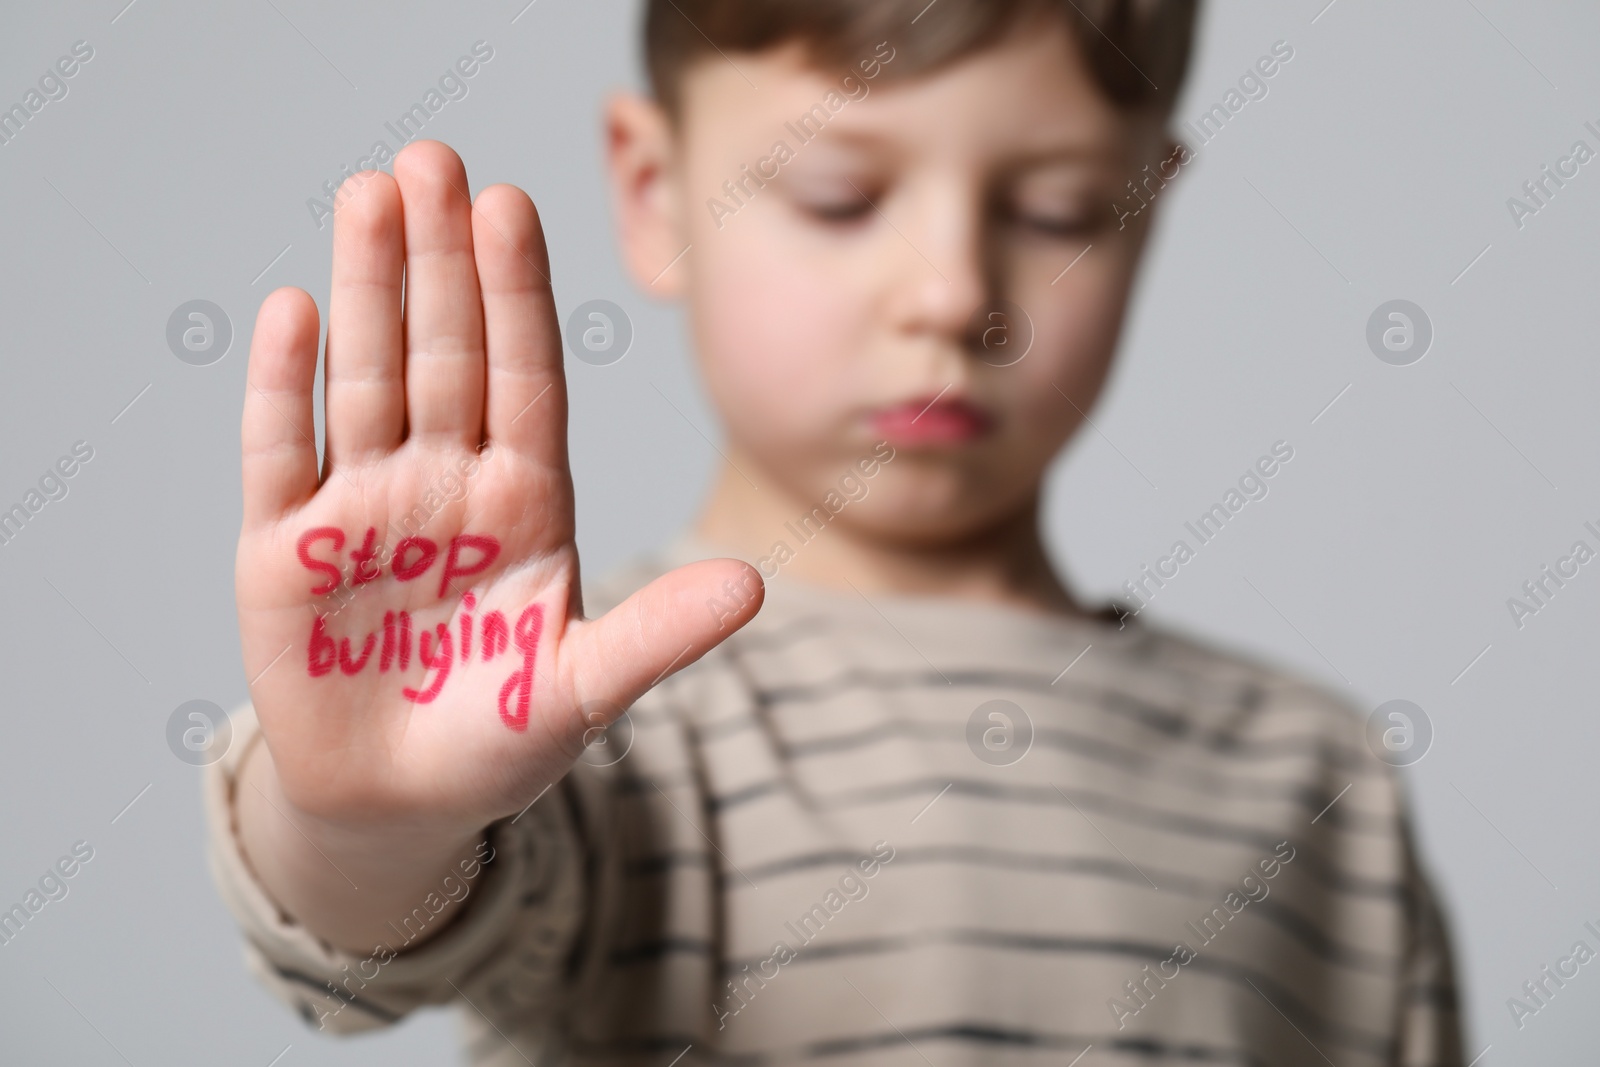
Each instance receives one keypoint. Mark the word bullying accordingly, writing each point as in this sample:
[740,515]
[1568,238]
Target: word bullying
[439,650]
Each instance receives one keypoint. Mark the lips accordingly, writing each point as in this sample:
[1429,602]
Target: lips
[932,420]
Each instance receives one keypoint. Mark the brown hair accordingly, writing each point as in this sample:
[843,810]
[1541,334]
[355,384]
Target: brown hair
[1137,50]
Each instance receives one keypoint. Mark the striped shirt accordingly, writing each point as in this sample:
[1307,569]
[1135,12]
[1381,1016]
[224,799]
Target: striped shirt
[913,830]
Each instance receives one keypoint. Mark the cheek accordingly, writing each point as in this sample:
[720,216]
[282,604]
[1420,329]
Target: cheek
[1076,327]
[774,334]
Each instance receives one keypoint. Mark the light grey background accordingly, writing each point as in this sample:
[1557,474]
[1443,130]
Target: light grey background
[179,166]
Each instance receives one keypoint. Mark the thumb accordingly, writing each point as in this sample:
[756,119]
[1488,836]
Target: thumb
[661,629]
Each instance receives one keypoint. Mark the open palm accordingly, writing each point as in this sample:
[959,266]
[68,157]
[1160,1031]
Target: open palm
[409,611]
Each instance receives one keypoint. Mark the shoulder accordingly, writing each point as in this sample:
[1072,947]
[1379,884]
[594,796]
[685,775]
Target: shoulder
[1253,721]
[1242,701]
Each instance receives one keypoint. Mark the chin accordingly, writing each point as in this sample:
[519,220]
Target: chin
[927,517]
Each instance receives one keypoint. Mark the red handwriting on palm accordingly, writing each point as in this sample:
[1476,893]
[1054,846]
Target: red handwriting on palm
[442,648]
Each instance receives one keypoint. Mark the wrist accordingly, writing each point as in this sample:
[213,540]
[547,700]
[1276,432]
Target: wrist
[348,885]
[376,847]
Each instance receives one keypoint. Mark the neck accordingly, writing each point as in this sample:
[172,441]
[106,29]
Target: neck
[1004,562]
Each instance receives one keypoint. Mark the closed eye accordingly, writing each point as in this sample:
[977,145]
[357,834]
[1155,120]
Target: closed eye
[1061,226]
[838,211]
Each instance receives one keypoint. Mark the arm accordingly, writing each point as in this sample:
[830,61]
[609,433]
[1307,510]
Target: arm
[353,890]
[503,944]
[409,607]
[1430,1021]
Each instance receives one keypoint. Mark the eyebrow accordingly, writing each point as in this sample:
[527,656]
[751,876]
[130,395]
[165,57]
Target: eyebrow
[1067,154]
[868,141]
[879,144]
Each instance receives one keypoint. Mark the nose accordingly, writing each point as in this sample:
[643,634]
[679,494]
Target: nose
[944,275]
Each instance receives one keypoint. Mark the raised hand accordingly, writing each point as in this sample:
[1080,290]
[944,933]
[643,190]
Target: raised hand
[412,607]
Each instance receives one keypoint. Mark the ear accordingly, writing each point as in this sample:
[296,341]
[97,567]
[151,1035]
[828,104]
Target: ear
[640,156]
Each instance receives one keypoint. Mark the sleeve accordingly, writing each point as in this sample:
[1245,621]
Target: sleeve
[504,953]
[1430,1023]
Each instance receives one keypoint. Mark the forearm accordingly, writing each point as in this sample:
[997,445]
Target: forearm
[355,891]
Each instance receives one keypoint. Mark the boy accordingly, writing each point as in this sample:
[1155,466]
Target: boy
[922,808]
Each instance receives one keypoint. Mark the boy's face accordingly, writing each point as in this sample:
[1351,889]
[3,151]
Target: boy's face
[873,270]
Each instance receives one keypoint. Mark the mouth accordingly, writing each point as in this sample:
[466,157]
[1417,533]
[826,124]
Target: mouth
[932,420]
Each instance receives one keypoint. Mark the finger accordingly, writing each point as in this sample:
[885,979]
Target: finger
[527,401]
[443,310]
[277,432]
[365,380]
[660,630]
